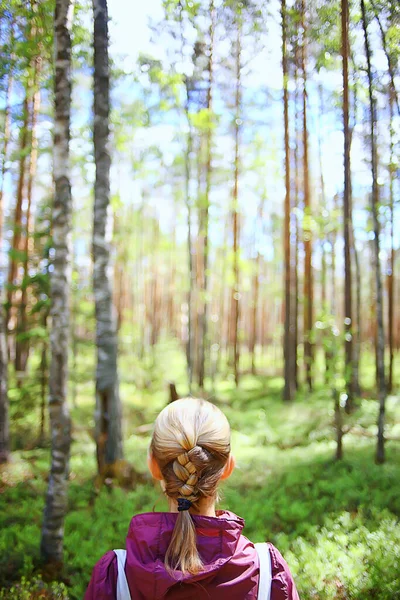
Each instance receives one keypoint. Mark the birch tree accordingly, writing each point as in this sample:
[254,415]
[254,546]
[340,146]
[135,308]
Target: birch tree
[56,499]
[108,408]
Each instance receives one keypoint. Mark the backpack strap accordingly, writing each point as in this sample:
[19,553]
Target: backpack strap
[265,580]
[123,592]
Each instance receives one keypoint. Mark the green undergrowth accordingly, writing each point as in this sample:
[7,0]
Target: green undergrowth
[336,523]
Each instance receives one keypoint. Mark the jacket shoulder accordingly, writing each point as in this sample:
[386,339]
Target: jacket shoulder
[103,583]
[282,586]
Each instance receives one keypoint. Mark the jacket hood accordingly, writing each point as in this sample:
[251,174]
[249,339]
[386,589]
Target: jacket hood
[148,539]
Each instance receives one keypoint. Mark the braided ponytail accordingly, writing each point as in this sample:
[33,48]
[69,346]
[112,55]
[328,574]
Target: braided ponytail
[191,444]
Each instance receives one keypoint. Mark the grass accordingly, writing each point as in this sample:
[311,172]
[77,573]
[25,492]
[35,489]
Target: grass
[337,523]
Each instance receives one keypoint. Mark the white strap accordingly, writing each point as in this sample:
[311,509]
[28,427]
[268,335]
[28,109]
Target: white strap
[123,592]
[265,580]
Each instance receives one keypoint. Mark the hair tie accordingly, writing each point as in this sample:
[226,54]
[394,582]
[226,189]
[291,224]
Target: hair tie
[183,504]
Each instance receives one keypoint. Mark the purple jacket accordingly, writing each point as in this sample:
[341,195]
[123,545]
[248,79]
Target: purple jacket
[231,566]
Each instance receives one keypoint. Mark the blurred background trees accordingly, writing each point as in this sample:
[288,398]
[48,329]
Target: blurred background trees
[250,217]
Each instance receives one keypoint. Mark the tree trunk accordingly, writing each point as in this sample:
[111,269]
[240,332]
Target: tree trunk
[235,208]
[22,345]
[17,221]
[7,129]
[380,353]
[338,425]
[43,385]
[205,209]
[254,310]
[4,405]
[4,417]
[357,333]
[391,67]
[390,277]
[347,221]
[308,275]
[108,407]
[60,426]
[288,344]
[222,328]
[296,218]
[324,307]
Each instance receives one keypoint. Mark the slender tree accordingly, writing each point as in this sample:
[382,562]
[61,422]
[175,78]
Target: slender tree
[4,404]
[188,201]
[288,344]
[380,346]
[308,273]
[108,407]
[56,500]
[22,345]
[390,277]
[256,289]
[16,246]
[204,225]
[4,416]
[347,224]
[235,295]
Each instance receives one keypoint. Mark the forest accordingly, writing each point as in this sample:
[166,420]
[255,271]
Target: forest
[214,213]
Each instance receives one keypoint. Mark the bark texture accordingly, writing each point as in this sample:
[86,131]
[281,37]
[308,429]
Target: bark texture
[4,404]
[16,246]
[390,276]
[235,204]
[347,222]
[108,407]
[288,344]
[308,274]
[380,335]
[60,426]
[204,213]
[4,417]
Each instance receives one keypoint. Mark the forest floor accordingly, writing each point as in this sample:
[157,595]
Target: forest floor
[336,523]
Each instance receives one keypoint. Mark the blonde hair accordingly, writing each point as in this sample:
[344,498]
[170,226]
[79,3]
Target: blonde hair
[191,445]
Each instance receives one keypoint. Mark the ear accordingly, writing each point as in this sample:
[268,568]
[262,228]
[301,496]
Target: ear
[153,467]
[230,465]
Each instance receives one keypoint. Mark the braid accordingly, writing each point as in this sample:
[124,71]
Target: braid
[191,444]
[185,470]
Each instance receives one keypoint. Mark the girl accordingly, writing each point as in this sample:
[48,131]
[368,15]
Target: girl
[193,551]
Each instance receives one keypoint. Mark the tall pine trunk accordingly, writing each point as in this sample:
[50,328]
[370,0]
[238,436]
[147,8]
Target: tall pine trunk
[17,220]
[347,222]
[60,426]
[308,273]
[22,345]
[380,345]
[256,291]
[235,295]
[4,404]
[205,208]
[188,202]
[108,407]
[390,277]
[288,344]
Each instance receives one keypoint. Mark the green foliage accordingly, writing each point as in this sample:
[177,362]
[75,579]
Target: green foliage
[34,589]
[336,523]
[346,559]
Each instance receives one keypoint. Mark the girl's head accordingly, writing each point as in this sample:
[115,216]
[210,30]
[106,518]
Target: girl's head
[190,452]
